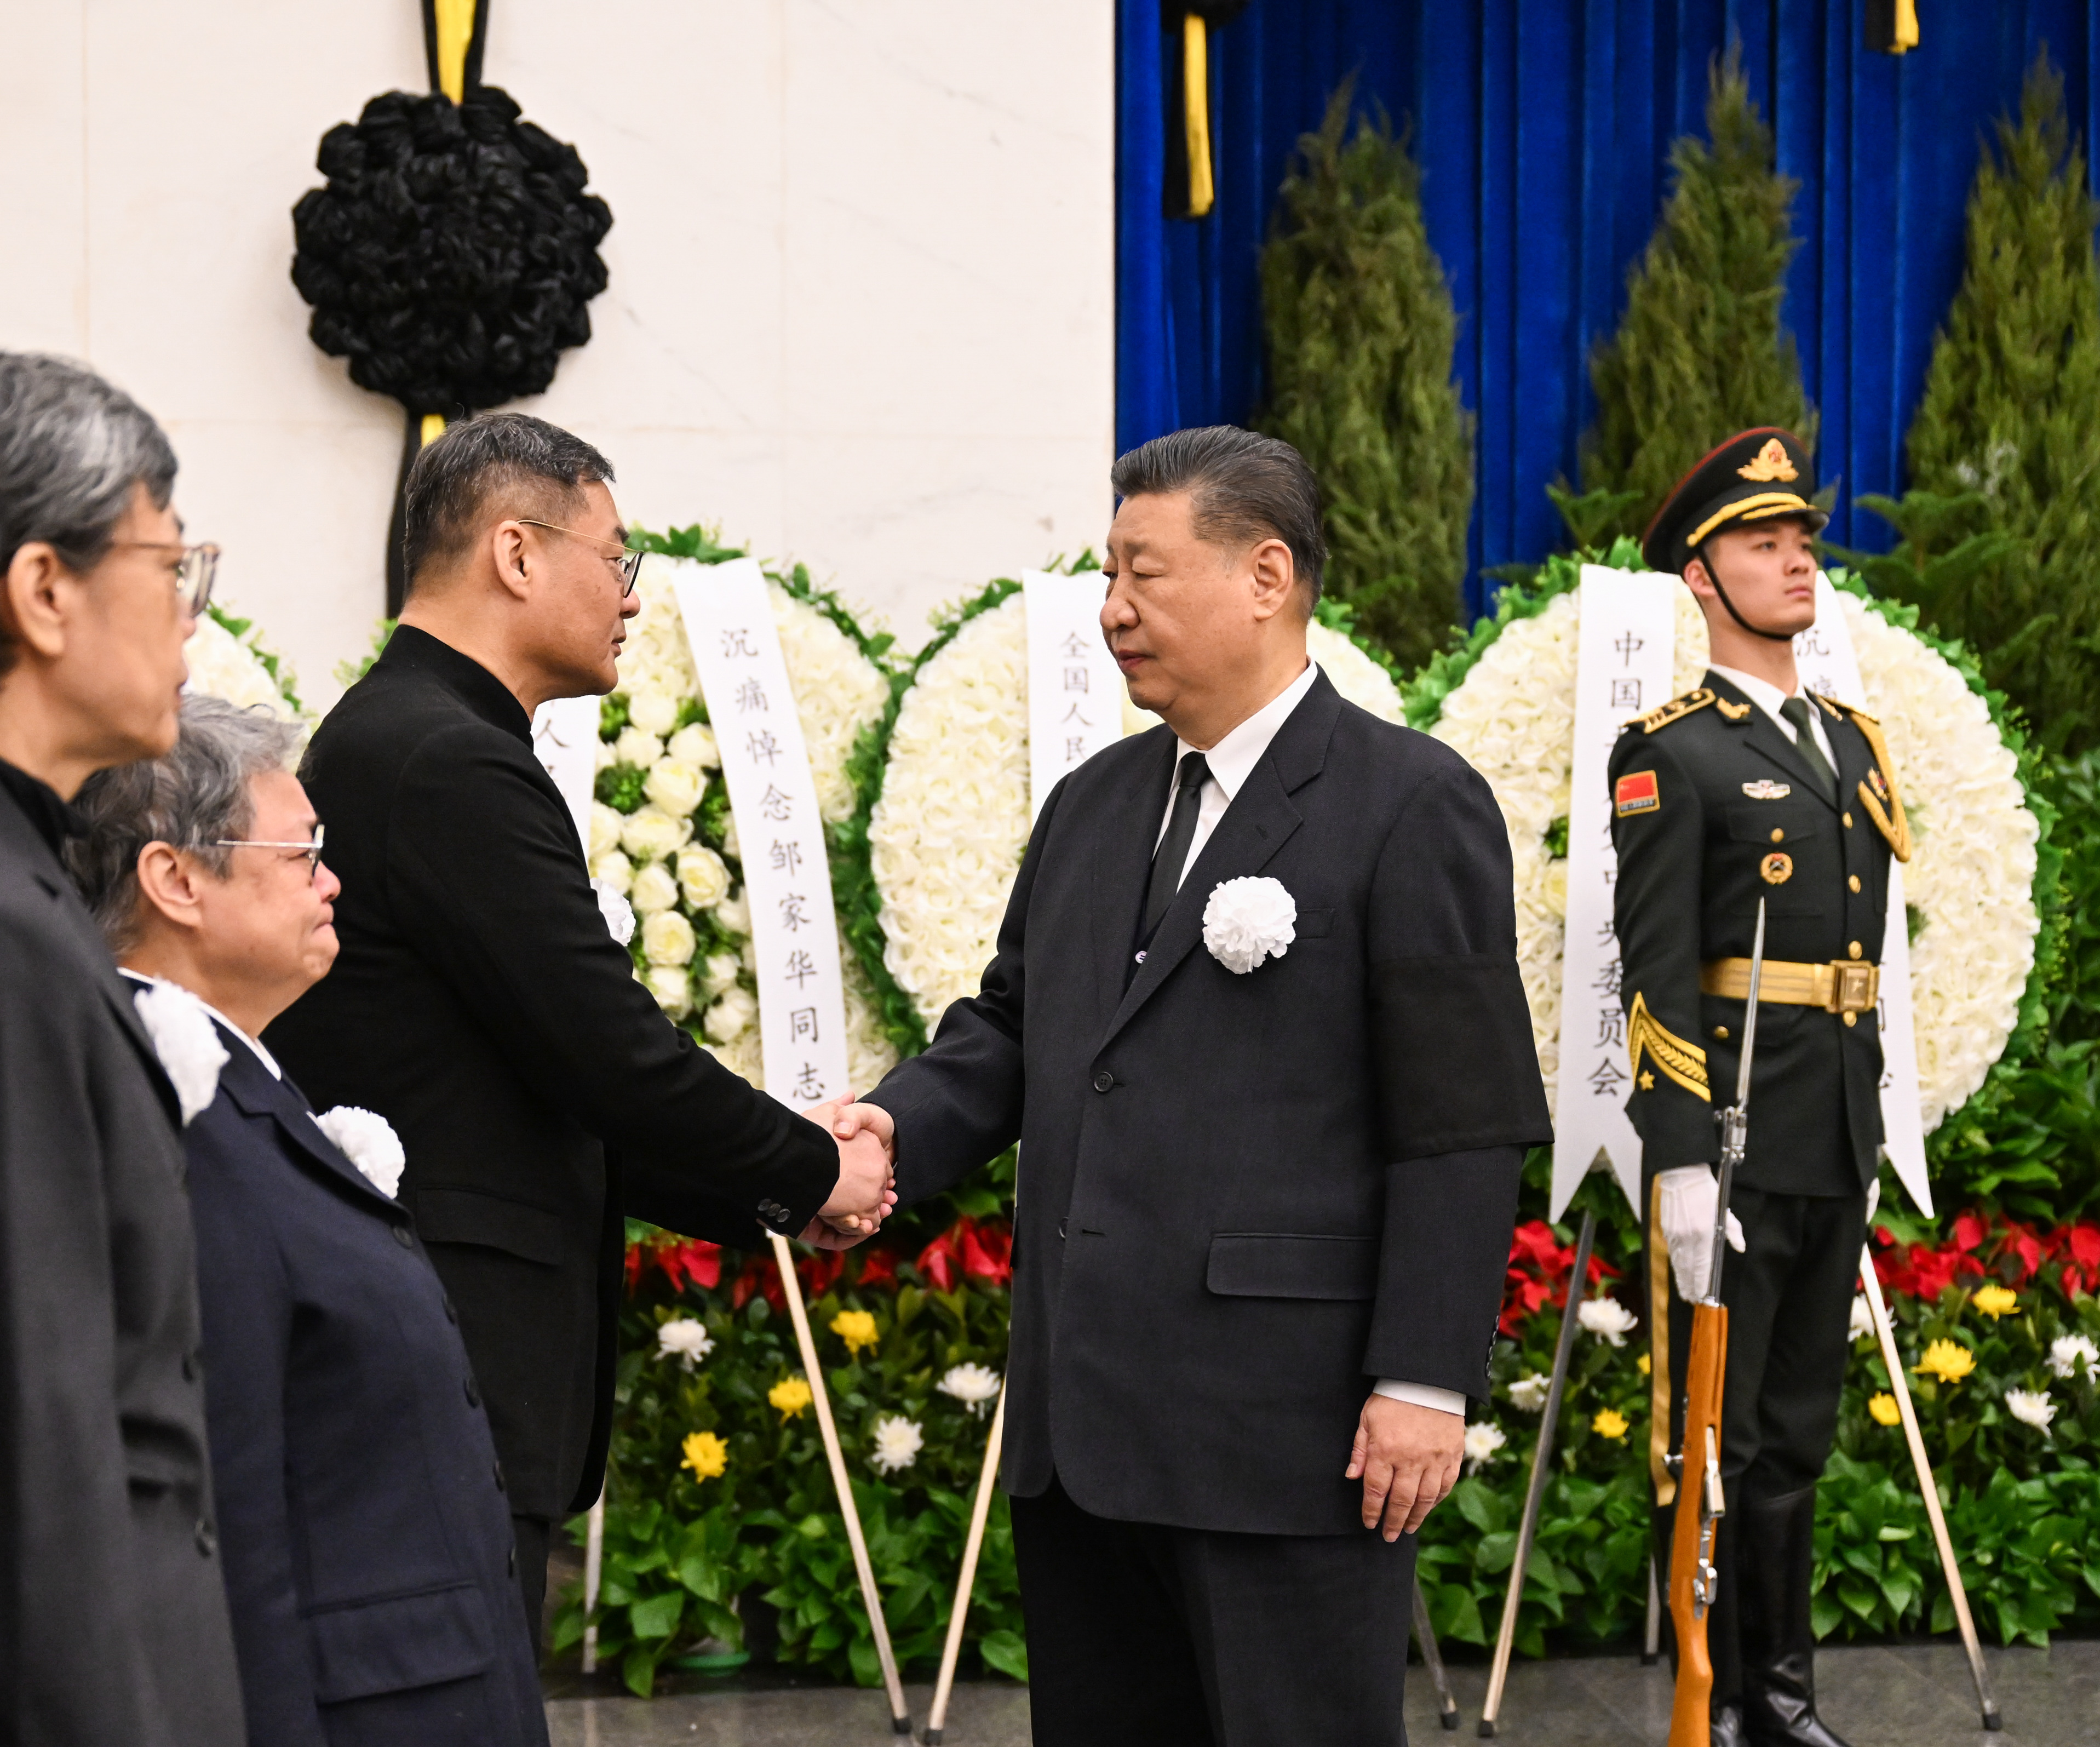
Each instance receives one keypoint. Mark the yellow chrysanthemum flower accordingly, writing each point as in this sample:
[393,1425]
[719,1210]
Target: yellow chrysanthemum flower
[1995,1301]
[1609,1423]
[1640,1365]
[706,1455]
[1949,1361]
[856,1328]
[791,1395]
[1883,1407]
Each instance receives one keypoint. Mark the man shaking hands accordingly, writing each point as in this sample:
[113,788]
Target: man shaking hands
[1255,1016]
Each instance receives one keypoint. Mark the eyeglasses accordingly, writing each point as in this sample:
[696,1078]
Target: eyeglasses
[628,564]
[310,851]
[194,571]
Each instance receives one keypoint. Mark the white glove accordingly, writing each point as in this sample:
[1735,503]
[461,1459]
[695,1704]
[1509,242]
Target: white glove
[1691,1197]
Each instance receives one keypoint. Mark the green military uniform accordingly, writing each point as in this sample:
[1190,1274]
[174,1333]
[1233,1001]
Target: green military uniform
[1715,807]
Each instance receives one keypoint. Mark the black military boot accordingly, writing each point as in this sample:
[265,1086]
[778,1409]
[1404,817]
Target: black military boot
[1776,1541]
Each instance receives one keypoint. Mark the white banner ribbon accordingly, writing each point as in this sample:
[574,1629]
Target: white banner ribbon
[1075,689]
[565,740]
[788,880]
[1623,654]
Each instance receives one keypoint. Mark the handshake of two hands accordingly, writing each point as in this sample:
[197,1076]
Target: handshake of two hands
[867,1188]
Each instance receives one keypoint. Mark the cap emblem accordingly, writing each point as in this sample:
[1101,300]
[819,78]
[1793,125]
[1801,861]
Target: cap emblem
[1770,463]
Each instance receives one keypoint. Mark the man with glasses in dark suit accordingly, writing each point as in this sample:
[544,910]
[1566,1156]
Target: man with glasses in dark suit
[112,1612]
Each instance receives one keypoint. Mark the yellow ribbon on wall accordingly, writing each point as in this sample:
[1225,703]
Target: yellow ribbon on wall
[434,427]
[1196,111]
[455,29]
[1906,30]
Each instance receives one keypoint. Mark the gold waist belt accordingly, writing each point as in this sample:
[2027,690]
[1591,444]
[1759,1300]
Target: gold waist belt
[1843,985]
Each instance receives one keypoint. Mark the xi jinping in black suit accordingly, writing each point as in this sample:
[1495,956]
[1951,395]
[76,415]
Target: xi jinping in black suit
[1264,1213]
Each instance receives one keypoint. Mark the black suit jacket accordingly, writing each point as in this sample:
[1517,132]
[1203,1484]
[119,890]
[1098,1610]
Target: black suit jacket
[1243,1197]
[112,1616]
[480,1007]
[1692,868]
[366,1533]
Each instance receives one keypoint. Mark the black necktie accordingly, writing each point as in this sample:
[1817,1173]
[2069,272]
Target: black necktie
[1795,710]
[1173,850]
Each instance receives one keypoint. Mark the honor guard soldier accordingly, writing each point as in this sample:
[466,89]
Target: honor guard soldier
[1745,789]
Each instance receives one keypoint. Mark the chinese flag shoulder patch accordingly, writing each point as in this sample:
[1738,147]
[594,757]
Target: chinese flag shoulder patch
[1636,793]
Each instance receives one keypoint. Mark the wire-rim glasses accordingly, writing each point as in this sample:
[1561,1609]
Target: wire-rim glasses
[628,564]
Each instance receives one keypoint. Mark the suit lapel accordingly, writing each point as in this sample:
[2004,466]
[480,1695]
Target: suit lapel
[255,1092]
[1260,820]
[1122,856]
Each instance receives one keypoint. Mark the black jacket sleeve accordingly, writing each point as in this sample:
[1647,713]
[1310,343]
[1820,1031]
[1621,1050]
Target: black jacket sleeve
[494,895]
[1458,1074]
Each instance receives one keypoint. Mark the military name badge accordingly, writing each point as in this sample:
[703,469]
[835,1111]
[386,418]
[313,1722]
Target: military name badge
[1765,789]
[1635,792]
[1776,867]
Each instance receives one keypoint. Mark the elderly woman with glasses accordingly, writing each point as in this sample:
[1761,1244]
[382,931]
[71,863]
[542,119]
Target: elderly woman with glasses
[363,1525]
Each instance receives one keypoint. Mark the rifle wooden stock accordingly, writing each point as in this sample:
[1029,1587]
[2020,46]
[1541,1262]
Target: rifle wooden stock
[1691,1542]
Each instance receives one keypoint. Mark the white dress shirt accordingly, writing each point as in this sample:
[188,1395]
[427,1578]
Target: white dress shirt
[1768,697]
[1231,762]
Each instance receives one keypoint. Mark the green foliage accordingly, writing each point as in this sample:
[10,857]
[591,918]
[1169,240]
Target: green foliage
[2003,520]
[1700,353]
[279,669]
[348,673]
[1360,331]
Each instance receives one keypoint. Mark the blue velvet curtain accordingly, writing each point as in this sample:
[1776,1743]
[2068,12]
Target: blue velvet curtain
[1542,130]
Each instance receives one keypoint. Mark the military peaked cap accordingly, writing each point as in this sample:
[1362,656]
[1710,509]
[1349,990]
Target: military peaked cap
[1754,476]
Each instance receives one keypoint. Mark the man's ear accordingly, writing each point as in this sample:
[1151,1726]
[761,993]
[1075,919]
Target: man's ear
[32,612]
[1275,577]
[507,547]
[1697,580]
[168,884]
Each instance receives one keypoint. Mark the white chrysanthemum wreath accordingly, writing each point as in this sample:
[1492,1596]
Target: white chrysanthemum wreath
[946,836]
[662,832]
[227,660]
[1970,881]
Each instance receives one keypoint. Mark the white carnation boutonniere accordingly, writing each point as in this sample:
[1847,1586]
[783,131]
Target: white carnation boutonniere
[186,1041]
[613,906]
[1249,921]
[368,1141]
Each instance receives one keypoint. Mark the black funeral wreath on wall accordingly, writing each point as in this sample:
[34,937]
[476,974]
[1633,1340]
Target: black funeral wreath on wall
[451,257]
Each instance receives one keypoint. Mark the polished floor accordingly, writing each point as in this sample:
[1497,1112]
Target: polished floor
[1895,1697]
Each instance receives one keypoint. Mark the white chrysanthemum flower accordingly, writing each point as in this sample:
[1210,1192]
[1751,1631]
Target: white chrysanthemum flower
[2066,1350]
[1358,679]
[673,987]
[605,825]
[717,974]
[611,871]
[653,889]
[1529,1393]
[649,834]
[734,1012]
[368,1141]
[1484,1437]
[667,939]
[653,712]
[703,876]
[1863,1318]
[2030,1407]
[973,1385]
[613,906]
[694,744]
[186,1041]
[733,913]
[222,665]
[1607,1319]
[638,748]
[1249,921]
[686,1337]
[674,787]
[897,1442]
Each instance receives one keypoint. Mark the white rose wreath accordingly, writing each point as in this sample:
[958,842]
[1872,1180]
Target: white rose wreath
[662,833]
[1970,884]
[227,660]
[947,832]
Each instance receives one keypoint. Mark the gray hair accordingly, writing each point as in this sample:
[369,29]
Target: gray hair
[446,497]
[189,799]
[1243,487]
[72,448]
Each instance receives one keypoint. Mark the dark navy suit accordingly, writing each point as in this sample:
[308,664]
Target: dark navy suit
[366,1533]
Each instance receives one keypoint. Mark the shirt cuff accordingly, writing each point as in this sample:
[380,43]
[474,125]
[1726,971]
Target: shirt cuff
[1422,1395]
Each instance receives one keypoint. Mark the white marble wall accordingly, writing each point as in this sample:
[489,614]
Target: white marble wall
[861,303]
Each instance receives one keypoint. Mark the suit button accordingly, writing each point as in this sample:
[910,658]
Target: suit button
[401,1238]
[1852,946]
[772,1209]
[452,1313]
[499,1486]
[1853,882]
[1850,1019]
[1778,835]
[1847,818]
[207,1540]
[1722,1033]
[1103,1080]
[472,1394]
